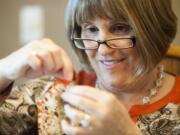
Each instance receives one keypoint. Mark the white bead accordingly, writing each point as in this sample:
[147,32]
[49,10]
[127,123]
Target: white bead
[158,83]
[146,100]
[153,92]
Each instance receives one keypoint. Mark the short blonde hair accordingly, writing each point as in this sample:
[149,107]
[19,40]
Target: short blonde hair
[153,22]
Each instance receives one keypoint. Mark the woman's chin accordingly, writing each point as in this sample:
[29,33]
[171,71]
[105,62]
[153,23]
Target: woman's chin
[112,84]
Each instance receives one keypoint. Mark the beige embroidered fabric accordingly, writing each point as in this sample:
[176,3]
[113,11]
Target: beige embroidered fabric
[40,100]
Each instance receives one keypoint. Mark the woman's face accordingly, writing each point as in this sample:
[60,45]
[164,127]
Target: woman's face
[114,67]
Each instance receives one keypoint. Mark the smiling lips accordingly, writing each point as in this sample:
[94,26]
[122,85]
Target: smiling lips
[111,64]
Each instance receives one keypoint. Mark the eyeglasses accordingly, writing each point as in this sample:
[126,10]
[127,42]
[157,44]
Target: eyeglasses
[115,43]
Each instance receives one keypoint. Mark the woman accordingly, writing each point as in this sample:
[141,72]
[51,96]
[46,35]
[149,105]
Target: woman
[124,42]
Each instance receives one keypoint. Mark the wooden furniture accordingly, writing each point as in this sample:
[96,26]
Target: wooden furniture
[172,60]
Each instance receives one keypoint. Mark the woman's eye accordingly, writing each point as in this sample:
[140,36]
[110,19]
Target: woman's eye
[89,31]
[92,29]
[89,28]
[121,28]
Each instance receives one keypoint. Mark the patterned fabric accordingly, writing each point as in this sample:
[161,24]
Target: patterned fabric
[165,121]
[37,104]
[40,101]
[50,110]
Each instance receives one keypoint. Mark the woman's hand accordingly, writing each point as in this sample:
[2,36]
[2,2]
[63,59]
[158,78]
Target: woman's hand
[38,58]
[95,112]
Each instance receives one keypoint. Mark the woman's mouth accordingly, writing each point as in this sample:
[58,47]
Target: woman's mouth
[111,64]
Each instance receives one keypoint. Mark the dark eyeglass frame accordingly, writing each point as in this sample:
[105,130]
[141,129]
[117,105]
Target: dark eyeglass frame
[99,42]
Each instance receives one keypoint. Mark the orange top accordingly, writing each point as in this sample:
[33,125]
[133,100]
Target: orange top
[83,78]
[172,97]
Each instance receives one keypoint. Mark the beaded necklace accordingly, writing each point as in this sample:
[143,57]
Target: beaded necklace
[153,91]
[157,84]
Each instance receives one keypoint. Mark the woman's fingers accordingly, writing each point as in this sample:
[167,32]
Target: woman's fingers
[71,130]
[35,65]
[47,61]
[50,58]
[75,115]
[55,52]
[57,57]
[83,103]
[37,58]
[62,67]
[88,91]
[66,72]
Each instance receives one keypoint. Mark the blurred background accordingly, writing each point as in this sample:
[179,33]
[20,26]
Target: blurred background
[24,20]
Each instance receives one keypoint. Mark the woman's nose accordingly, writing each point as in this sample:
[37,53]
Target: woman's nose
[104,49]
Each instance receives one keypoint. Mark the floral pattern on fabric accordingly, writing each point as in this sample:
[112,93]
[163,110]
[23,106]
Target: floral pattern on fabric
[50,111]
[20,107]
[165,121]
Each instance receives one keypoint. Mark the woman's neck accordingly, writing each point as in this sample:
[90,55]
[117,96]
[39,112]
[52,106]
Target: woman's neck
[134,92]
[137,91]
